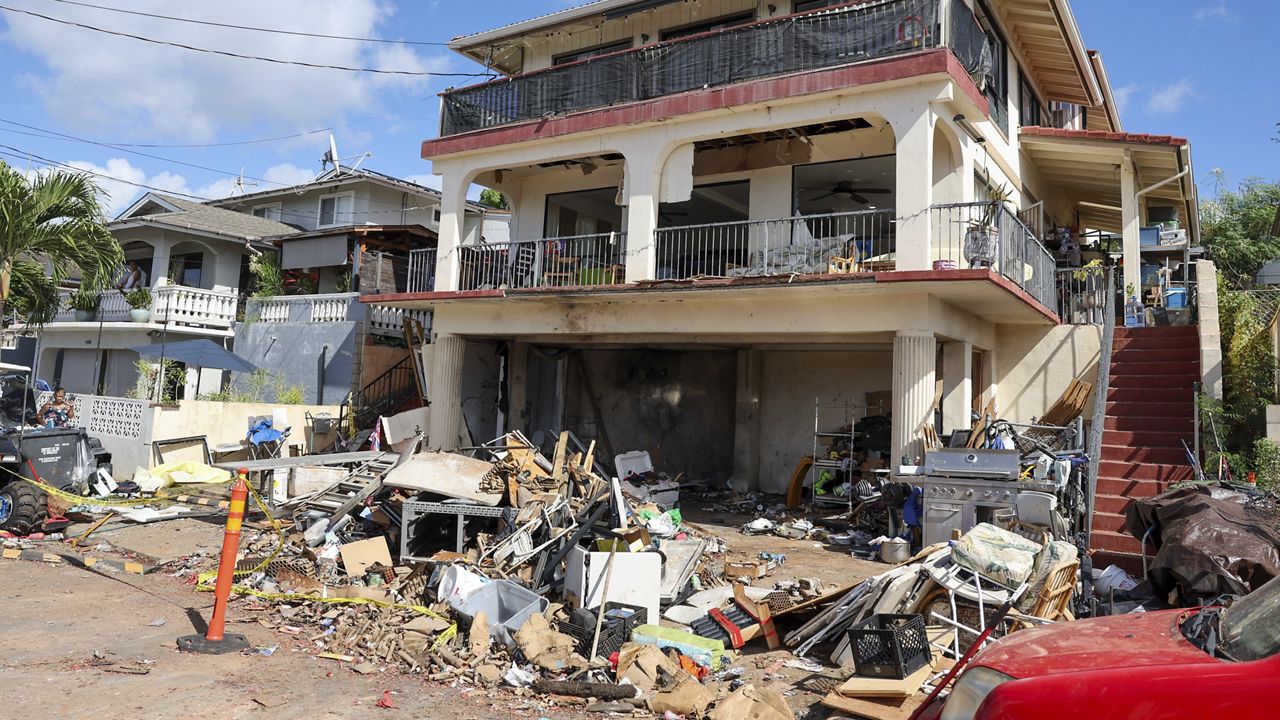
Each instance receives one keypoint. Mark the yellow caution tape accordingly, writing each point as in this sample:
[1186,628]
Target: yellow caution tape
[205,580]
[205,583]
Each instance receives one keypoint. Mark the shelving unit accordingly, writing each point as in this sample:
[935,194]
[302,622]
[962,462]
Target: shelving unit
[828,419]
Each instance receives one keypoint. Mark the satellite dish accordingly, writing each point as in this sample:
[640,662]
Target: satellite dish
[331,156]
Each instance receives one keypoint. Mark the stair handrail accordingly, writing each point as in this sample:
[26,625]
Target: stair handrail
[360,402]
[1100,402]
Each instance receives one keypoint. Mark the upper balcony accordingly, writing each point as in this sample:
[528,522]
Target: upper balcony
[176,307]
[847,34]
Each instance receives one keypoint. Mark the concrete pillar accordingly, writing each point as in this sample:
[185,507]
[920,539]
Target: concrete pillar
[517,386]
[159,262]
[642,185]
[453,204]
[957,385]
[1210,329]
[914,186]
[915,355]
[1130,224]
[746,422]
[446,392]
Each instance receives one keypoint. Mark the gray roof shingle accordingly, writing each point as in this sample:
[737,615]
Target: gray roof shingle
[198,216]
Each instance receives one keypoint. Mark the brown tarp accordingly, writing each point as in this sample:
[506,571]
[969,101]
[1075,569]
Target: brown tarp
[1211,540]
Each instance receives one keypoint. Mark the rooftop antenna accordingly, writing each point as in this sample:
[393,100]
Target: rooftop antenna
[241,184]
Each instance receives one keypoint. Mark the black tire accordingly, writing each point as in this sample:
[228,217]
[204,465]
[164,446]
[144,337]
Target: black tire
[26,507]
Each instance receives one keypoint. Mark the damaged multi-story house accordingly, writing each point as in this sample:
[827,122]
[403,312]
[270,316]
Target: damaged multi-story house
[732,216]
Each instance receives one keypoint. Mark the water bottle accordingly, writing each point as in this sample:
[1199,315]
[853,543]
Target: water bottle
[1135,315]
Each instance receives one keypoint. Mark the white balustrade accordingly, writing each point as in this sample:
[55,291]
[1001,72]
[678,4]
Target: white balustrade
[334,307]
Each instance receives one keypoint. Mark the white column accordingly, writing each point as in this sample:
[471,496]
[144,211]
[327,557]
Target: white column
[446,392]
[453,204]
[1130,223]
[644,178]
[914,360]
[746,422]
[159,262]
[914,188]
[957,385]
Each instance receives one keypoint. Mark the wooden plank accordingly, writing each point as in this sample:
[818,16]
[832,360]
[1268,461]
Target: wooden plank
[874,709]
[858,686]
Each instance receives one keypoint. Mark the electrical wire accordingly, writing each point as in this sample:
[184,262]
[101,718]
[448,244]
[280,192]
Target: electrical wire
[20,154]
[227,53]
[54,135]
[251,28]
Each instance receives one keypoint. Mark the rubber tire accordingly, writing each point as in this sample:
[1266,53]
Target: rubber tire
[30,508]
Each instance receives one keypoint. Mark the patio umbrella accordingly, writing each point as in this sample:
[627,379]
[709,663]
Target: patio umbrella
[202,353]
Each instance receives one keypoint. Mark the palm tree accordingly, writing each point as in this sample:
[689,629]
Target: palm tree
[51,221]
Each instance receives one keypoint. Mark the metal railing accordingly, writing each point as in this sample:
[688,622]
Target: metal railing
[383,394]
[989,235]
[776,46]
[1098,420]
[1082,295]
[574,261]
[803,245]
[422,270]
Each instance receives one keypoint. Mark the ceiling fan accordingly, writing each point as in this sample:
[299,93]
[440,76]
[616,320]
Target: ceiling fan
[845,187]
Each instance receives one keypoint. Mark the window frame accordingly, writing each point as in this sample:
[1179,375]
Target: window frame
[320,223]
[278,207]
[716,24]
[574,56]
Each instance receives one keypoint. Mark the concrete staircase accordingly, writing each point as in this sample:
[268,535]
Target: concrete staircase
[1150,411]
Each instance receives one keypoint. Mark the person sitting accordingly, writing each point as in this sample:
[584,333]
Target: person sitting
[57,413]
[133,277]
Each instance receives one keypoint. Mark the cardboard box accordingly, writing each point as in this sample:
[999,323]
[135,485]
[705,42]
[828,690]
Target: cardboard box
[359,556]
[753,569]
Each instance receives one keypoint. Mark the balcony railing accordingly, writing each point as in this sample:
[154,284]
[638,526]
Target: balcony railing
[989,235]
[324,308]
[175,304]
[389,321]
[422,270]
[575,261]
[790,44]
[1082,295]
[803,245]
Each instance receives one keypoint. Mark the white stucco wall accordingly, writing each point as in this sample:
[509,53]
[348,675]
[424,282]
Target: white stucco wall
[1034,365]
[791,381]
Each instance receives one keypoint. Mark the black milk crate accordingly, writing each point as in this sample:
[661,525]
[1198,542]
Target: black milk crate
[889,646]
[614,632]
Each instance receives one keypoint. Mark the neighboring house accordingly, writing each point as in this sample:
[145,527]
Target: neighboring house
[726,210]
[344,234]
[195,259]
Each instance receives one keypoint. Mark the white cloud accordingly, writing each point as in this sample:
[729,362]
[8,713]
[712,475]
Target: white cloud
[1209,12]
[123,87]
[1169,99]
[426,180]
[1124,96]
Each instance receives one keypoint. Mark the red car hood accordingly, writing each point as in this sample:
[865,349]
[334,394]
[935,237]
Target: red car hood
[1138,639]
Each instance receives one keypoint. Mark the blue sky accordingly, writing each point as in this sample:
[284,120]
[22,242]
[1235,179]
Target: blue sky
[1205,70]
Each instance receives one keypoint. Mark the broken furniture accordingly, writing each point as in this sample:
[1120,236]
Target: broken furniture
[637,579]
[417,515]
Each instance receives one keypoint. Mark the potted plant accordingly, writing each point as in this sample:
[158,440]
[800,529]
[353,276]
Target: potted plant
[982,240]
[139,300]
[84,303]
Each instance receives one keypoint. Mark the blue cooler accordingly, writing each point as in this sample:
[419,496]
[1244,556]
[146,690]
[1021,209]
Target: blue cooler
[1175,298]
[1149,236]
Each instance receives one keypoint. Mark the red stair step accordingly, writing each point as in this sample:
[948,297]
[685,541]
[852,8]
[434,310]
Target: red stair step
[1126,453]
[1152,439]
[1136,392]
[1151,423]
[1138,353]
[1158,369]
[1168,382]
[1146,471]
[1110,504]
[1130,488]
[1153,343]
[1166,331]
[1108,522]
[1138,409]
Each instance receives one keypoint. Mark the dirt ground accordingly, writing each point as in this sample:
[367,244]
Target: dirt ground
[73,640]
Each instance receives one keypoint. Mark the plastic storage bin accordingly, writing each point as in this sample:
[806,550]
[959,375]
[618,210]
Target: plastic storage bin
[1175,298]
[889,646]
[506,606]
